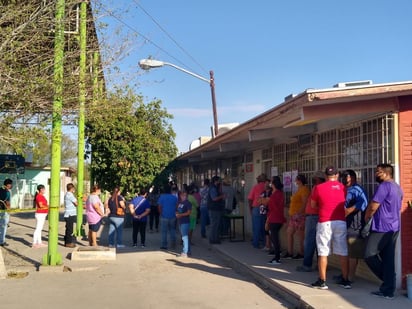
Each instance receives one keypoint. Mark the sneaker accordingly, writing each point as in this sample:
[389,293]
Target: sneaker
[346,284]
[303,268]
[121,246]
[134,245]
[70,245]
[274,262]
[265,249]
[4,244]
[183,255]
[320,284]
[288,256]
[142,246]
[297,257]
[380,294]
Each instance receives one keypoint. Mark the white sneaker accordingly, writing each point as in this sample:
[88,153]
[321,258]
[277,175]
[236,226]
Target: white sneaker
[274,262]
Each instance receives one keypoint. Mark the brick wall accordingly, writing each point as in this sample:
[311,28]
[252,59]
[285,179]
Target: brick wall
[405,153]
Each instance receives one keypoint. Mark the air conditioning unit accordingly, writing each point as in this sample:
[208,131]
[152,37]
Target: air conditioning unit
[353,84]
[223,128]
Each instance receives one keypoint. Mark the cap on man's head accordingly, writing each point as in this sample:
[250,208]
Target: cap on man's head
[215,178]
[330,171]
[261,177]
[319,174]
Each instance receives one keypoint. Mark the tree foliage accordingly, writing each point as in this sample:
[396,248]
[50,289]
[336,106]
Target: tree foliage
[130,142]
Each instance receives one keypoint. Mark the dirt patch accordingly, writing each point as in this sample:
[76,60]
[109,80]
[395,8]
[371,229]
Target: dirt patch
[17,274]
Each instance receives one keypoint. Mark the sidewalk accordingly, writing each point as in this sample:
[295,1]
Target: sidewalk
[20,259]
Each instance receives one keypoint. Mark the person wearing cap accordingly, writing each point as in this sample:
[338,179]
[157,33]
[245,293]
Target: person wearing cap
[311,221]
[254,203]
[216,206]
[330,197]
[384,210]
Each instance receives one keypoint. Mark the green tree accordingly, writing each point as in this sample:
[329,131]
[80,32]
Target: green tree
[131,142]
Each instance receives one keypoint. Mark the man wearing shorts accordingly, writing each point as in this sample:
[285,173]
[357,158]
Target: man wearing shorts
[329,197]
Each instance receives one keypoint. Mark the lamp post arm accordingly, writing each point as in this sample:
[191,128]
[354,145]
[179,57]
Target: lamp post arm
[187,72]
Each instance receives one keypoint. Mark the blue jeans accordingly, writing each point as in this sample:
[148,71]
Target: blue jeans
[310,239]
[116,227]
[258,229]
[380,257]
[204,220]
[4,221]
[184,230]
[168,225]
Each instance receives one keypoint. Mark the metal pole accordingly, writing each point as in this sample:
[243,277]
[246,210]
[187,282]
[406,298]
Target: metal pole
[52,257]
[82,99]
[212,89]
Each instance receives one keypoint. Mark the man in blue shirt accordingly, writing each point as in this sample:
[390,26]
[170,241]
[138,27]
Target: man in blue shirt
[384,209]
[167,203]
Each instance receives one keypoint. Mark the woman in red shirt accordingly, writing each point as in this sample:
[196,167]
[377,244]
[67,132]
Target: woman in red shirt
[276,217]
[42,209]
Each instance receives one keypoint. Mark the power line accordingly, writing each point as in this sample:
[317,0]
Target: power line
[169,36]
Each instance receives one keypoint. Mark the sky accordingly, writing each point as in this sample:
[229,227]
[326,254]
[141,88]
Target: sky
[260,52]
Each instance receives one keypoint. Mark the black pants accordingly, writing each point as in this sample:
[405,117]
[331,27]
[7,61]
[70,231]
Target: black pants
[380,257]
[68,235]
[154,217]
[139,226]
[274,231]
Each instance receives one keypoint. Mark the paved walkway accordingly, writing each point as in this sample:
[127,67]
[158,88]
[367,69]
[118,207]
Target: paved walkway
[20,259]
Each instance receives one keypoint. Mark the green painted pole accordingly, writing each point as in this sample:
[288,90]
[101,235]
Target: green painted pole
[95,82]
[52,257]
[81,141]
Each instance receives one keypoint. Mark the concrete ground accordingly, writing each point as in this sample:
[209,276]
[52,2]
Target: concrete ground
[19,260]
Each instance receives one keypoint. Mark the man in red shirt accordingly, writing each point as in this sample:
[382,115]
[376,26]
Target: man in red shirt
[329,197]
[258,226]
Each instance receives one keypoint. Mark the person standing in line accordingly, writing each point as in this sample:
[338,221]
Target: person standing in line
[190,195]
[154,213]
[263,210]
[94,214]
[384,210]
[140,208]
[276,217]
[5,198]
[253,200]
[216,206]
[229,193]
[70,216]
[183,211]
[204,212]
[296,223]
[42,209]
[167,209]
[115,208]
[355,206]
[329,197]
[311,221]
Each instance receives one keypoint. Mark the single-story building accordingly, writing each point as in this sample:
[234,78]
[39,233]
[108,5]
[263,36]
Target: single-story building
[354,125]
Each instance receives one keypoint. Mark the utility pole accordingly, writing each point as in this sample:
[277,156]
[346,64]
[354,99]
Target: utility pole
[82,99]
[52,257]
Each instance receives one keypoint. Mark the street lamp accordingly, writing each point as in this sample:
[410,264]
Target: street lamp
[147,64]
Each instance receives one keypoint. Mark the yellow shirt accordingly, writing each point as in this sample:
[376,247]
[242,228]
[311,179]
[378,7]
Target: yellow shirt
[298,201]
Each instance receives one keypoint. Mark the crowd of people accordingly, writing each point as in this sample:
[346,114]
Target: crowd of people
[331,217]
[335,216]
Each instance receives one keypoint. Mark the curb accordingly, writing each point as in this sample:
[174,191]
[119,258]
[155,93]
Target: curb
[264,282]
